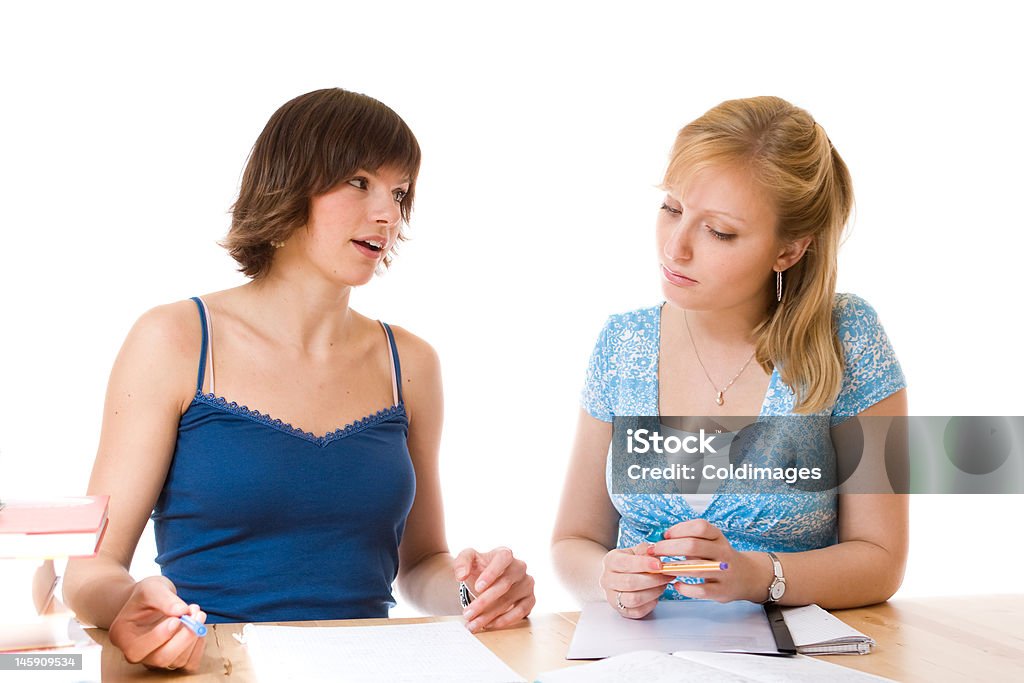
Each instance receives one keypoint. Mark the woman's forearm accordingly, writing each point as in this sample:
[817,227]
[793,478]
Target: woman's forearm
[96,589]
[430,585]
[579,564]
[864,568]
[850,574]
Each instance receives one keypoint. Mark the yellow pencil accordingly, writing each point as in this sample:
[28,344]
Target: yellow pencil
[687,567]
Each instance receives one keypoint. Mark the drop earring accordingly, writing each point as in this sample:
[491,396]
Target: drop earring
[778,286]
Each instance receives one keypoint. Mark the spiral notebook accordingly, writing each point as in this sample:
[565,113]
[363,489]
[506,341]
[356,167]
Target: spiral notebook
[816,632]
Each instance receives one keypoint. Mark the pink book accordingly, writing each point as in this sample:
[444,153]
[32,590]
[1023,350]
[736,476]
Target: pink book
[54,527]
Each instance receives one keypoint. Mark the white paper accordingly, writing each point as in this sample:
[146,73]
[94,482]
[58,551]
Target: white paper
[673,625]
[643,665]
[711,667]
[403,653]
[798,669]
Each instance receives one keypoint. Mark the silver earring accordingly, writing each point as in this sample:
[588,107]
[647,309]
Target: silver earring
[778,286]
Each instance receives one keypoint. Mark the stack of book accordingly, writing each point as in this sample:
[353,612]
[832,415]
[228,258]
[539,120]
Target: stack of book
[32,535]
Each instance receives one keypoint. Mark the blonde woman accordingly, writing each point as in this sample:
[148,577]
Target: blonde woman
[756,198]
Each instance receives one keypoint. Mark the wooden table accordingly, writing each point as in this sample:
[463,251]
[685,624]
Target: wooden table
[935,639]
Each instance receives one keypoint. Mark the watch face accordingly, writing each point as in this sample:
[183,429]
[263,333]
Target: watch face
[777,590]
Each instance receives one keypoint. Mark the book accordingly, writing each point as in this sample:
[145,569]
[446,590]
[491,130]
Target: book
[658,667]
[51,528]
[37,631]
[816,632]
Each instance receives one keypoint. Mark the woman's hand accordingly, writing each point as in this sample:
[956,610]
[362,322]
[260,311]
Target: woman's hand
[504,591]
[630,581]
[747,577]
[147,629]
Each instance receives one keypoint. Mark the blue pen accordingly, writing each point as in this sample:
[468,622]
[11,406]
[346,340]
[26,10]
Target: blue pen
[196,627]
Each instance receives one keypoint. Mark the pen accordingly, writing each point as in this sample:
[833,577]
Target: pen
[196,627]
[687,567]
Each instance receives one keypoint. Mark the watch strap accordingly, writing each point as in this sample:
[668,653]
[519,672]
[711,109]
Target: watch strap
[776,565]
[777,578]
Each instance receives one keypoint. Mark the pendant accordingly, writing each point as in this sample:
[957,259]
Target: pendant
[720,400]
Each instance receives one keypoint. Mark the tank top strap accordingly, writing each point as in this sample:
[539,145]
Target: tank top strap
[396,366]
[204,320]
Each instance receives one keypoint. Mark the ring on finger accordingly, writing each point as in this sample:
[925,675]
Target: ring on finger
[618,601]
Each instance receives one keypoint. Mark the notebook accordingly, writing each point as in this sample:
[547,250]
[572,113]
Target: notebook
[816,632]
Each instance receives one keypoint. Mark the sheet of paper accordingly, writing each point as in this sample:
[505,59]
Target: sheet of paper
[673,625]
[798,669]
[403,653]
[643,665]
[710,667]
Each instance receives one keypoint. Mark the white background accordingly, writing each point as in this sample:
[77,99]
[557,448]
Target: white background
[545,129]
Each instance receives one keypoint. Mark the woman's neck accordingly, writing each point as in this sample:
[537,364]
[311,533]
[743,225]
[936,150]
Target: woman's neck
[727,327]
[303,313]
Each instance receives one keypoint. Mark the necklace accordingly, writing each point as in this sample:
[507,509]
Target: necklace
[720,393]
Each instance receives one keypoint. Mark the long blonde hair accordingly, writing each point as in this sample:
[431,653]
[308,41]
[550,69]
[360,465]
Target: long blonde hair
[791,158]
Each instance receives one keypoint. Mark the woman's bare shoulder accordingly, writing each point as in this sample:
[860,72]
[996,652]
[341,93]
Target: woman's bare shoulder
[170,326]
[177,327]
[162,350]
[415,352]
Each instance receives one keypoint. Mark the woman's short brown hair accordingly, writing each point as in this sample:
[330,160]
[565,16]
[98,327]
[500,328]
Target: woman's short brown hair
[308,146]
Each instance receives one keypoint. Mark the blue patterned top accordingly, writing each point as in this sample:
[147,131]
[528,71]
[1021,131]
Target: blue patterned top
[622,380]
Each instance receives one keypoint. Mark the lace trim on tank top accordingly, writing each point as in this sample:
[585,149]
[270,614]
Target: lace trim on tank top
[221,403]
[359,425]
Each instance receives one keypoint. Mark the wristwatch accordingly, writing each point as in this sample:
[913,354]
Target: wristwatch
[777,588]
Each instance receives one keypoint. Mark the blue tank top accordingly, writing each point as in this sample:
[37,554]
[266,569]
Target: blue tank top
[260,521]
